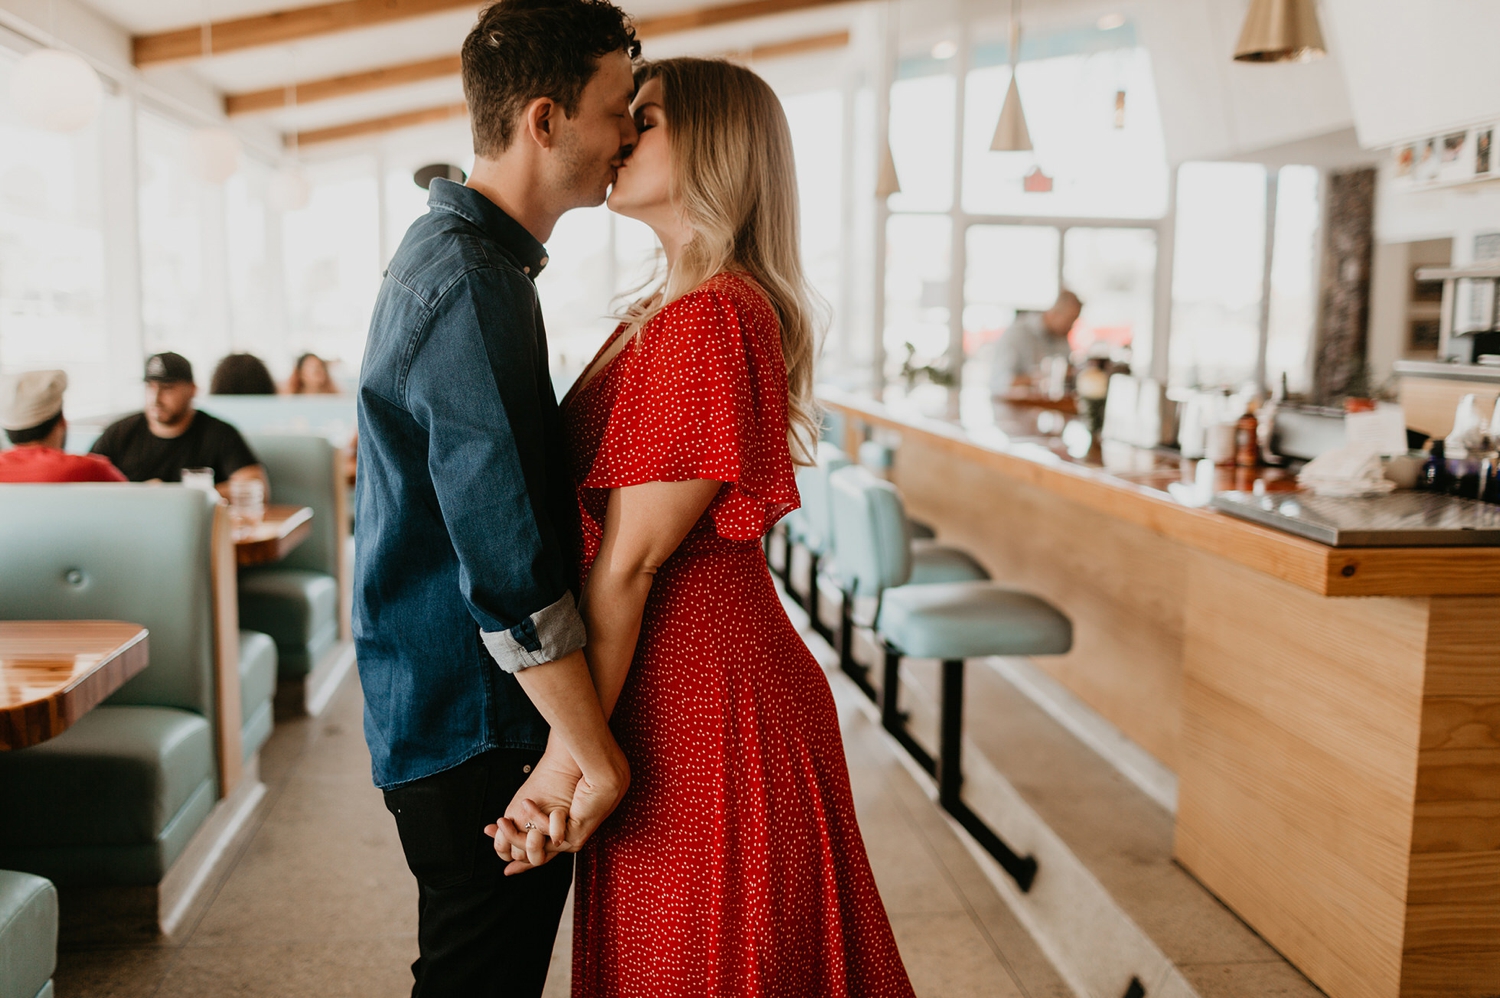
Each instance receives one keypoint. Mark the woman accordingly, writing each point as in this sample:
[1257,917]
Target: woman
[734,866]
[310,377]
[241,374]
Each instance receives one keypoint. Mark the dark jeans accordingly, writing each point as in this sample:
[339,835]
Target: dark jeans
[481,934]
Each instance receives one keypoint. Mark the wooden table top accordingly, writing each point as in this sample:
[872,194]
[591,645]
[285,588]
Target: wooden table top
[275,537]
[52,672]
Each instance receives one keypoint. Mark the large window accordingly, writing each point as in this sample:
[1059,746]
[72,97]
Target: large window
[52,254]
[331,256]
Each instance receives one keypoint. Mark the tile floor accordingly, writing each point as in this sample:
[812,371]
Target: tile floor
[319,901]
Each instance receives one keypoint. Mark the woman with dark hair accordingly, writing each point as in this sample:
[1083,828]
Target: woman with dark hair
[241,374]
[311,377]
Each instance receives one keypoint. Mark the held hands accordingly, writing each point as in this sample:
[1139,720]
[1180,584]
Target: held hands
[562,807]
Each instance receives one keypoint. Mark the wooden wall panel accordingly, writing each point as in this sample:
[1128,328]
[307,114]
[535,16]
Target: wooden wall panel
[1452,942]
[1429,402]
[1121,584]
[1302,717]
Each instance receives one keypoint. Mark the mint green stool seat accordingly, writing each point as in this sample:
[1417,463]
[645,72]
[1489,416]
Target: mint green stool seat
[965,620]
[950,621]
[257,690]
[932,562]
[298,608]
[112,800]
[28,935]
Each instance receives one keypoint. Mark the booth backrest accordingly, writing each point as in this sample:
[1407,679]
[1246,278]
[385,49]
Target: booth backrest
[139,553]
[328,416]
[869,532]
[303,473]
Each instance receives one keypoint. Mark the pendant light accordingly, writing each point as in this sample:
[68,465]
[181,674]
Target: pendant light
[54,90]
[213,153]
[1280,31]
[289,189]
[1011,134]
[887,183]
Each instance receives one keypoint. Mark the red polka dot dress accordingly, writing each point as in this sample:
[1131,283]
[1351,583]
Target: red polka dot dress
[734,866]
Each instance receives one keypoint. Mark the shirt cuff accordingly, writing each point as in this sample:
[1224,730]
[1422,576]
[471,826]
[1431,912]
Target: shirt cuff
[545,636]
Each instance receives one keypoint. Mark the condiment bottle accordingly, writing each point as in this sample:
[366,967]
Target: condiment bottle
[1435,474]
[1247,440]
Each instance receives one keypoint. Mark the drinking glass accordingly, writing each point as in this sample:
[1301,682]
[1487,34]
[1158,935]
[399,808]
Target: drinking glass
[247,501]
[199,478]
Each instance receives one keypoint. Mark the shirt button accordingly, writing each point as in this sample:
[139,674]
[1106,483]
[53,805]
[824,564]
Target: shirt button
[542,262]
[525,270]
[525,769]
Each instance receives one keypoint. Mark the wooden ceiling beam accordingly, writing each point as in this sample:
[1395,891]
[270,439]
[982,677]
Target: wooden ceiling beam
[724,13]
[312,91]
[293,24]
[376,126]
[280,27]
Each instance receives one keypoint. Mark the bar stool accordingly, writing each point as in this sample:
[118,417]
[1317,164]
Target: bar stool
[949,621]
[814,529]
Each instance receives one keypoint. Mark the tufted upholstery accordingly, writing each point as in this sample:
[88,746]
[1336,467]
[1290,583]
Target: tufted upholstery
[115,798]
[28,935]
[295,601]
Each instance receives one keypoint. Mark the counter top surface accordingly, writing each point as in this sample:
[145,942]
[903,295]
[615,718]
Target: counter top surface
[1137,484]
[1447,370]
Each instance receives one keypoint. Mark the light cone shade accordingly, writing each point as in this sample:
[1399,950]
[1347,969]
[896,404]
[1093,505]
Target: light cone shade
[56,91]
[887,183]
[1011,134]
[1280,31]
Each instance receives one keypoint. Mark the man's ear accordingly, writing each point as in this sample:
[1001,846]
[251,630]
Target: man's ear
[538,121]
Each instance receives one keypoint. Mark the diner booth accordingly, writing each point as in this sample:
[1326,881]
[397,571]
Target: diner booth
[1150,548]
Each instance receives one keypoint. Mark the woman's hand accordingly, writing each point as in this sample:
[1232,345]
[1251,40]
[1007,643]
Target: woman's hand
[562,808]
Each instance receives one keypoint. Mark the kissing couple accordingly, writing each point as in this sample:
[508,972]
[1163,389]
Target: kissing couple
[571,648]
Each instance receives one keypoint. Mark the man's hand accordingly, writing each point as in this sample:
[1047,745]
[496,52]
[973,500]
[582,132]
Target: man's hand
[562,807]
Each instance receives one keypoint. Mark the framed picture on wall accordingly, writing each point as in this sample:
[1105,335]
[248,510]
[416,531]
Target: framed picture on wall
[1455,162]
[1483,140]
[1426,170]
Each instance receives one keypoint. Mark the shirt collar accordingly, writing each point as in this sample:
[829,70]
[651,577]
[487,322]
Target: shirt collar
[468,203]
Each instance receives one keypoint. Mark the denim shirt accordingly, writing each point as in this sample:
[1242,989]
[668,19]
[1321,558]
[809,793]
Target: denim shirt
[466,520]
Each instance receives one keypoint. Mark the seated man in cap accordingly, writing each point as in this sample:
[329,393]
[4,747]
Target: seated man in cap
[170,435]
[31,413]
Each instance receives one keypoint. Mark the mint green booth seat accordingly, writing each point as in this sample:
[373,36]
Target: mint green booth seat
[330,416]
[296,600]
[257,690]
[951,621]
[28,935]
[115,798]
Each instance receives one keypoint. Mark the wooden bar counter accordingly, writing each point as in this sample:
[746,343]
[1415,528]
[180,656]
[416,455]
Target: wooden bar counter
[1332,714]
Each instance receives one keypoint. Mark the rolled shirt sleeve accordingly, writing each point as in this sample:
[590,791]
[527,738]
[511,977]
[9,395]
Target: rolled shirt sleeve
[472,386]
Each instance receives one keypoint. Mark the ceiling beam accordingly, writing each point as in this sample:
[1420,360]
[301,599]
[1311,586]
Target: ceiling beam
[723,13]
[793,46]
[283,26]
[331,87]
[375,126]
[280,27]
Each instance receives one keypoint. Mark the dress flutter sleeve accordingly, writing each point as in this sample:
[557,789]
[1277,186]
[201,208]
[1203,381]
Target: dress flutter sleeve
[706,398]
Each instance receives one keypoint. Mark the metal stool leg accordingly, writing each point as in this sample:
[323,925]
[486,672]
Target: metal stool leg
[851,668]
[950,779]
[891,716]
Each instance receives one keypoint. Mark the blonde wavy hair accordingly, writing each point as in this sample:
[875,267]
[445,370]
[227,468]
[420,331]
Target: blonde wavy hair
[735,180]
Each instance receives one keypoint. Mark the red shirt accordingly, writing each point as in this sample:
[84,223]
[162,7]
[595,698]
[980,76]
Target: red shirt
[33,463]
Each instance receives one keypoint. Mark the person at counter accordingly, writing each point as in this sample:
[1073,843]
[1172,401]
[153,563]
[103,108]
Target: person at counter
[155,445]
[31,413]
[1031,337]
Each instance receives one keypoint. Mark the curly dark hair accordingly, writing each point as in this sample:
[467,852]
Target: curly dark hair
[524,49]
[241,374]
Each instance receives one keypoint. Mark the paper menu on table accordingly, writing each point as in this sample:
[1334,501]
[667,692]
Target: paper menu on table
[1380,432]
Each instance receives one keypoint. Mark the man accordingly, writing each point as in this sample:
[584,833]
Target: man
[467,633]
[170,434]
[31,413]
[1032,336]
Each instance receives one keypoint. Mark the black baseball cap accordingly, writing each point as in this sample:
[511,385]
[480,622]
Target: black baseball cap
[168,366]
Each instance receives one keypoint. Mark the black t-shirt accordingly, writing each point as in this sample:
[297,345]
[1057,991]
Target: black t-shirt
[207,443]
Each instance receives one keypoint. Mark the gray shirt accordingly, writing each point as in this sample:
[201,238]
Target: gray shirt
[1021,348]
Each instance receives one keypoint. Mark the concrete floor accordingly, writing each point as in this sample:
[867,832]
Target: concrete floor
[320,903]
